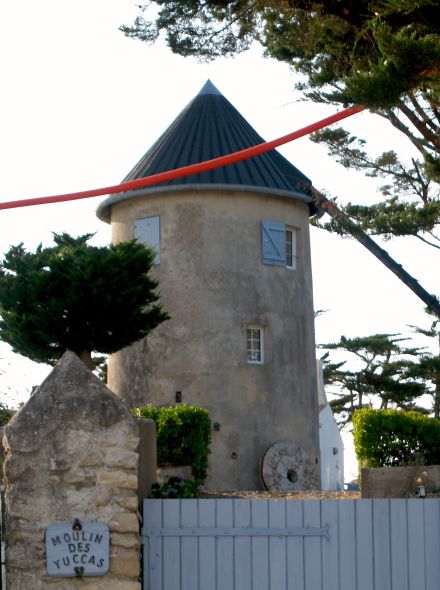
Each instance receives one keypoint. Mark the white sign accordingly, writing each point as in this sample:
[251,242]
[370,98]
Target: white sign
[77,549]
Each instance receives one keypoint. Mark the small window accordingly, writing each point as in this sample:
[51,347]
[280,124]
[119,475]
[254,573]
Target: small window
[255,345]
[147,231]
[272,240]
[291,248]
[278,244]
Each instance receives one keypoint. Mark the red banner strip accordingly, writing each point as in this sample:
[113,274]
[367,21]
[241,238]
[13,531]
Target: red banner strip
[188,170]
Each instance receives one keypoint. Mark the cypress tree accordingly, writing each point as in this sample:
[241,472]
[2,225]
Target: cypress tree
[78,297]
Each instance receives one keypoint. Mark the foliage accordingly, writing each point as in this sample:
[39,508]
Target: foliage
[78,297]
[385,55]
[365,52]
[411,203]
[384,375]
[183,436]
[6,414]
[428,367]
[176,487]
[392,438]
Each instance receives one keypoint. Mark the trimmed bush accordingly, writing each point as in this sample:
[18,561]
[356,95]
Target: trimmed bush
[392,437]
[176,487]
[183,436]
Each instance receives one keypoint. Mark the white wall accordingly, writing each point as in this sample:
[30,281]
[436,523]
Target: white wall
[330,441]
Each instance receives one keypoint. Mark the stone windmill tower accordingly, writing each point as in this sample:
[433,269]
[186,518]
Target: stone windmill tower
[233,261]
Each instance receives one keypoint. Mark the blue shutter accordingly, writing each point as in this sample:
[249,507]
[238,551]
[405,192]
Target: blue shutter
[147,231]
[273,240]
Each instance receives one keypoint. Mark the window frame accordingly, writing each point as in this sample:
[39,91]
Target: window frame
[252,350]
[276,249]
[140,231]
[291,255]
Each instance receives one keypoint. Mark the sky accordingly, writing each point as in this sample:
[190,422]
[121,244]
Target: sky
[81,103]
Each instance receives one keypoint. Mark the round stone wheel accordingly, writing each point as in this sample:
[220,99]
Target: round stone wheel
[285,467]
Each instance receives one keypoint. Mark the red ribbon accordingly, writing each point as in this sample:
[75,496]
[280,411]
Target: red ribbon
[188,170]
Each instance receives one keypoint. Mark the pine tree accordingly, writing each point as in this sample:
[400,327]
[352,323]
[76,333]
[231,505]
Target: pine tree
[384,375]
[78,297]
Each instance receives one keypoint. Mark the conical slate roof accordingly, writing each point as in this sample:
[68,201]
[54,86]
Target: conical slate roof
[210,126]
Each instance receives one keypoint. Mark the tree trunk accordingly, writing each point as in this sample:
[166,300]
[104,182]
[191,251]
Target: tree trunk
[326,206]
[437,400]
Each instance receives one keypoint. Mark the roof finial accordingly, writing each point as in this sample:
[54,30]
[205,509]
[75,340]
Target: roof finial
[209,88]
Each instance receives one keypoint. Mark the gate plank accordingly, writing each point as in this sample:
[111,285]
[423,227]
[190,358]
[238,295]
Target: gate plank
[171,546]
[242,546]
[364,545]
[207,549]
[416,545]
[295,547]
[189,546]
[330,546]
[153,550]
[347,545]
[399,544]
[432,543]
[277,547]
[312,546]
[260,546]
[225,546]
[381,544]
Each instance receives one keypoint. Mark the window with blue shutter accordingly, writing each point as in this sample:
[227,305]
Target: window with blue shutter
[273,239]
[147,231]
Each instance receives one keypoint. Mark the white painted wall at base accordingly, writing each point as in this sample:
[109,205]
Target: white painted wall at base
[331,445]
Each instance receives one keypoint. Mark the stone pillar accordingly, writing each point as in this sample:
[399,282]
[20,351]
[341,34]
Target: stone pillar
[147,472]
[71,452]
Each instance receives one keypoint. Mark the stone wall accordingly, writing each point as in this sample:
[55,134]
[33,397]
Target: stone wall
[71,453]
[399,482]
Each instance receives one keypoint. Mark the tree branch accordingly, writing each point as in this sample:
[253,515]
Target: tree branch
[426,241]
[421,112]
[329,207]
[429,136]
[418,142]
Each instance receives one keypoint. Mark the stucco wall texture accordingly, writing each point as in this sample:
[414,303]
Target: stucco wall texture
[214,285]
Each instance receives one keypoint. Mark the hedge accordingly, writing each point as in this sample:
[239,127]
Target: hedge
[392,437]
[183,436]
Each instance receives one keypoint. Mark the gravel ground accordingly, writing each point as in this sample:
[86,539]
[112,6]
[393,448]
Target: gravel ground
[289,495]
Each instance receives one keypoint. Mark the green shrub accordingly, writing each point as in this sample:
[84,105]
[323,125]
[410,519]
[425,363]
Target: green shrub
[392,437]
[183,436]
[176,487]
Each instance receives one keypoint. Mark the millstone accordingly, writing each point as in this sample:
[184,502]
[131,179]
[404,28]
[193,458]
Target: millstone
[285,467]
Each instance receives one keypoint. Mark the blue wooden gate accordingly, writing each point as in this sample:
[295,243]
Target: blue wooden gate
[241,544]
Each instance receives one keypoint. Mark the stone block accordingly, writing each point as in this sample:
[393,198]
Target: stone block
[128,541]
[124,523]
[96,496]
[122,458]
[22,555]
[124,562]
[111,583]
[118,479]
[128,502]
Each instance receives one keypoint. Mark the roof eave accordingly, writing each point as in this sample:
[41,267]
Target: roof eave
[103,210]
